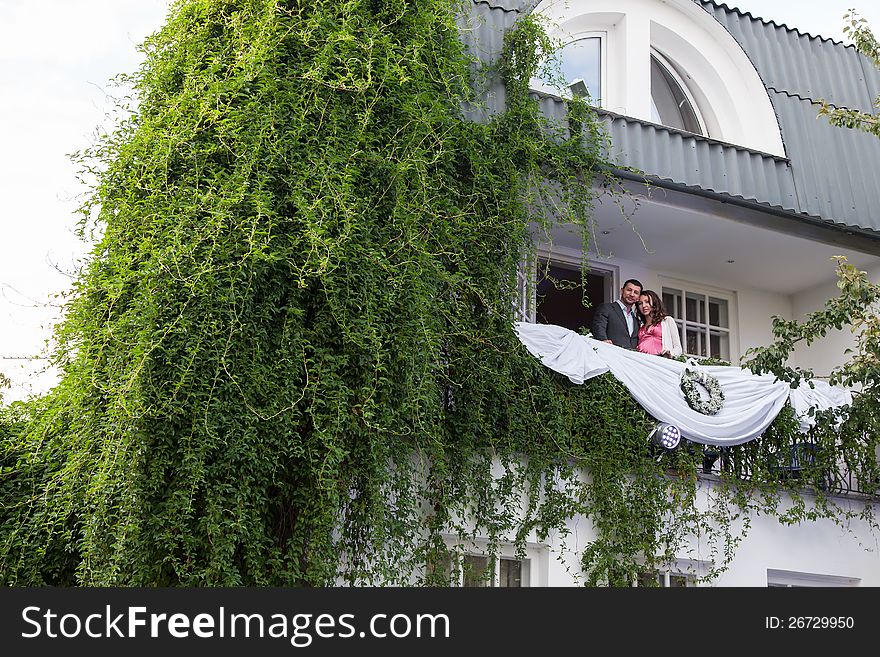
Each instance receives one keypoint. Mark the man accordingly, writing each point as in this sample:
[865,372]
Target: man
[617,322]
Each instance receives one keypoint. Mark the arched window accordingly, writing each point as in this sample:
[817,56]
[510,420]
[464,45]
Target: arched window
[671,103]
[577,69]
[581,62]
[665,61]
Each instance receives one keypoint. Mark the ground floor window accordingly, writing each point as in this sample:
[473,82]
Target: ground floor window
[793,579]
[480,570]
[666,579]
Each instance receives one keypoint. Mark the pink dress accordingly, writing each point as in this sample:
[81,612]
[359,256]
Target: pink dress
[651,339]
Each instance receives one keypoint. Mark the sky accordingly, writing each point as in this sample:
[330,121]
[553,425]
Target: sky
[56,61]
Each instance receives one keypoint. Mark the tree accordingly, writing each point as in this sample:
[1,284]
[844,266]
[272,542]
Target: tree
[856,307]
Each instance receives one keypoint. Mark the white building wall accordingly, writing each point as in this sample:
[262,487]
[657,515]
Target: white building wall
[818,548]
[822,356]
[818,551]
[756,308]
[730,94]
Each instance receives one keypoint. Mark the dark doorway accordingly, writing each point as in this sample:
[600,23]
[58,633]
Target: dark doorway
[561,296]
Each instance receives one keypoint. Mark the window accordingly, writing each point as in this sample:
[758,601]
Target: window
[679,573]
[671,104]
[560,294]
[580,63]
[510,573]
[666,579]
[475,571]
[666,62]
[480,571]
[793,579]
[703,318]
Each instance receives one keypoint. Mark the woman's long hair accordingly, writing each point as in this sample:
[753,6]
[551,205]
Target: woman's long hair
[659,312]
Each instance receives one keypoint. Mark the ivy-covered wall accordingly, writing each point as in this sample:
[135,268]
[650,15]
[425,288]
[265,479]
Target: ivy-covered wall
[290,359]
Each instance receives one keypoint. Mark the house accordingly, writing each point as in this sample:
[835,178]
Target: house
[749,198]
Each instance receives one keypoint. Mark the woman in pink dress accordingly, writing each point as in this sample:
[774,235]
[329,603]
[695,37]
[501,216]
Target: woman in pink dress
[658,334]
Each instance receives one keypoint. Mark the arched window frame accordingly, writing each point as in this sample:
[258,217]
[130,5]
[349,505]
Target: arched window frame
[540,84]
[733,101]
[672,69]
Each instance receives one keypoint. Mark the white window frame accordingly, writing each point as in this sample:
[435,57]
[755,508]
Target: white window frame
[458,567]
[706,290]
[733,100]
[692,570]
[534,562]
[540,85]
[569,258]
[673,71]
[793,579]
[664,577]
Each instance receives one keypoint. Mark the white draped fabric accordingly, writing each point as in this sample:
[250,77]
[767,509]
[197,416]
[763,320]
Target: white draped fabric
[751,402]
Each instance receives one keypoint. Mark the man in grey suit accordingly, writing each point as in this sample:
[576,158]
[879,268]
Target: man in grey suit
[617,322]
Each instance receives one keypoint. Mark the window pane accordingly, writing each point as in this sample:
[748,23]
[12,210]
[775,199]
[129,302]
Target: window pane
[476,571]
[510,573]
[581,60]
[677,581]
[648,579]
[695,307]
[718,312]
[719,344]
[672,302]
[441,570]
[695,343]
[669,103]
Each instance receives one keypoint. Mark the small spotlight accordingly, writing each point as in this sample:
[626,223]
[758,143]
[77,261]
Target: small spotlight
[665,435]
[578,89]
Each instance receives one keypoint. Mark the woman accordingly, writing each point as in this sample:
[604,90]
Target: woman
[658,334]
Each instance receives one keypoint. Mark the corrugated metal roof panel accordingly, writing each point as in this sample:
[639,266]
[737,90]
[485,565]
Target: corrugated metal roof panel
[482,30]
[508,5]
[690,160]
[482,27]
[829,173]
[841,185]
[800,64]
[695,161]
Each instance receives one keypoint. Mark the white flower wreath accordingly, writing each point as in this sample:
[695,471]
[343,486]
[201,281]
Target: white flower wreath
[690,379]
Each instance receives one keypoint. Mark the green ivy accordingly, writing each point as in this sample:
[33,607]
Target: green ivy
[290,361]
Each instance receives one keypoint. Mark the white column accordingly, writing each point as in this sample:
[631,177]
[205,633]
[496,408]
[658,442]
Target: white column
[634,78]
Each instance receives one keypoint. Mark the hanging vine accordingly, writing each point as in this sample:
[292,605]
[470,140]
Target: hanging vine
[290,358]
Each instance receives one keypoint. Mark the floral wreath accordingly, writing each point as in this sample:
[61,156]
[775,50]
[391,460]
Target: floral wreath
[690,380]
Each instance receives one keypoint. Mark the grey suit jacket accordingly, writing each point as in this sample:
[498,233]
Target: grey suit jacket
[610,324]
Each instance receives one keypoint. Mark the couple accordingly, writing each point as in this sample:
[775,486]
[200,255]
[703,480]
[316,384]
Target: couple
[637,321]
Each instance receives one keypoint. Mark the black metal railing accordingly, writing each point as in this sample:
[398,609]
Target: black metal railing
[798,461]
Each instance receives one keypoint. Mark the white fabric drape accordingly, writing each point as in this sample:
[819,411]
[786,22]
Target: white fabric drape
[819,396]
[751,402]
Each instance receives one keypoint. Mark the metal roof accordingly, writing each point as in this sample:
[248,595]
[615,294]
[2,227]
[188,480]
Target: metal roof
[834,169]
[830,173]
[799,64]
[691,160]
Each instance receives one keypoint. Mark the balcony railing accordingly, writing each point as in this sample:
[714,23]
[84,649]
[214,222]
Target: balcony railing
[797,461]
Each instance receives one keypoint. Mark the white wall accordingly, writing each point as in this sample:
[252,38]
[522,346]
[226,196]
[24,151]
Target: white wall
[828,352]
[819,548]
